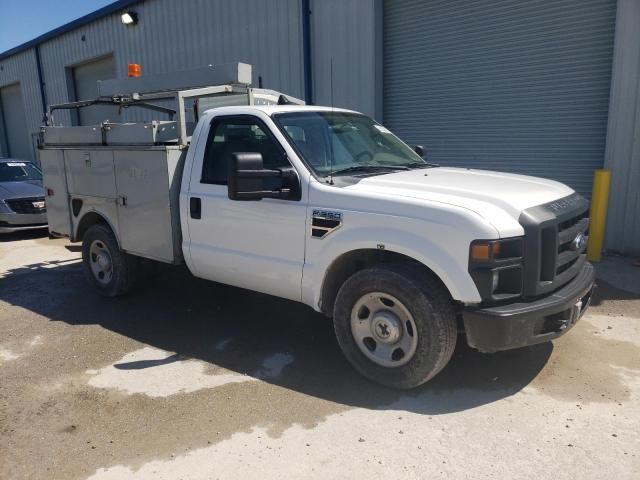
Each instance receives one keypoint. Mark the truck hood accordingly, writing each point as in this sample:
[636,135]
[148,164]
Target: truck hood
[467,188]
[31,188]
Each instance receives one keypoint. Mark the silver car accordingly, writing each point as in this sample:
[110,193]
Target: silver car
[22,204]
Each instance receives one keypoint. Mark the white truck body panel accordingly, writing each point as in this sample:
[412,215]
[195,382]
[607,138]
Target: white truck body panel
[496,196]
[266,238]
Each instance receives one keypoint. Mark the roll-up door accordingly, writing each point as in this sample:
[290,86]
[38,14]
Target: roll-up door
[502,84]
[85,79]
[14,137]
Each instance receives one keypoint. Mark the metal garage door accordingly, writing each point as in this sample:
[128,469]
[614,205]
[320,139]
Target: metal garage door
[14,137]
[85,78]
[502,84]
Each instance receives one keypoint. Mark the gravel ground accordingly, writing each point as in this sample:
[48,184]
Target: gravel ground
[191,379]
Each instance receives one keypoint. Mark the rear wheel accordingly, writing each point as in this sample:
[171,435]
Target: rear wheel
[395,324]
[110,270]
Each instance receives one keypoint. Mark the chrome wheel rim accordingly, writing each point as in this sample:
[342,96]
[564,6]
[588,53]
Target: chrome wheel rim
[100,262]
[384,329]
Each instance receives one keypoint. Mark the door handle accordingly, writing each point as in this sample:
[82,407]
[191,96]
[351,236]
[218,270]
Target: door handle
[195,207]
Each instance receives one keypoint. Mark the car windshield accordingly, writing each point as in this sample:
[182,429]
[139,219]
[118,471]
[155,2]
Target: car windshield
[340,143]
[19,171]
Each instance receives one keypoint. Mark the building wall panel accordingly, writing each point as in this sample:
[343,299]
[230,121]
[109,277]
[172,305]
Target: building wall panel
[21,68]
[347,32]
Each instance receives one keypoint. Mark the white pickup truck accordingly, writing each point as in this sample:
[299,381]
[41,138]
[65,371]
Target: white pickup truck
[326,207]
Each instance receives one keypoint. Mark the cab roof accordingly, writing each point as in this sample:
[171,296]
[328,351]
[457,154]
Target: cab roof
[273,109]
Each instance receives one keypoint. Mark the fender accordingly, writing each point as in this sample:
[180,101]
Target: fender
[100,207]
[450,264]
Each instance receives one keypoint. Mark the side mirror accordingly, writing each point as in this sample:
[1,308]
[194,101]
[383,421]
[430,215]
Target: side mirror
[246,179]
[419,149]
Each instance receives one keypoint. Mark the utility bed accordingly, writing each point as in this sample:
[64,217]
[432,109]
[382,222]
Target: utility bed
[137,187]
[131,172]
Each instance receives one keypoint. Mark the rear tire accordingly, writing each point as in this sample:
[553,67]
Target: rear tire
[395,324]
[111,271]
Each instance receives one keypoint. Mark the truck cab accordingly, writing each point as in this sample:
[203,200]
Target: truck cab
[327,207]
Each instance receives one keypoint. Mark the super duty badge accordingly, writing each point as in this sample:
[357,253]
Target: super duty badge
[324,222]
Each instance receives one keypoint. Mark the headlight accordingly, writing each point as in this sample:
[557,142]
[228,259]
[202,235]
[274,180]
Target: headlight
[4,208]
[496,267]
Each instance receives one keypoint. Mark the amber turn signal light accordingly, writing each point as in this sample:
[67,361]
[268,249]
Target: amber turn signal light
[483,252]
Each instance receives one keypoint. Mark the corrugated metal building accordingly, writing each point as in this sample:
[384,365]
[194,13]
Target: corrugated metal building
[549,88]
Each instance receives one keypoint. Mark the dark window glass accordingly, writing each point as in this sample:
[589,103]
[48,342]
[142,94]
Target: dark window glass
[19,171]
[227,137]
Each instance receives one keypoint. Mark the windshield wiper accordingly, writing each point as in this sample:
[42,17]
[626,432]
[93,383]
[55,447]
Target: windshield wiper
[367,168]
[422,165]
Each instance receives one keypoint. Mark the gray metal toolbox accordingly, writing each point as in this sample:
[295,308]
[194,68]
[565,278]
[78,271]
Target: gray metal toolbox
[89,135]
[148,133]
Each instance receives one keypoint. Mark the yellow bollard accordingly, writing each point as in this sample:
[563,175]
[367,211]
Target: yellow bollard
[598,214]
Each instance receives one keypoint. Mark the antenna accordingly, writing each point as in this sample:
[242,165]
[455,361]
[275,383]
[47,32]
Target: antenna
[331,83]
[331,139]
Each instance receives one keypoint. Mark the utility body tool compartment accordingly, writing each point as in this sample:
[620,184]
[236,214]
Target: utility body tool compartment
[135,190]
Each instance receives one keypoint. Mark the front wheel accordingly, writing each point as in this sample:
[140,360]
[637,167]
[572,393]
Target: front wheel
[110,270]
[395,324]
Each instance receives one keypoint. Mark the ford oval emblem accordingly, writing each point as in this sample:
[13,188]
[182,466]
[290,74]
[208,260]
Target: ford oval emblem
[579,242]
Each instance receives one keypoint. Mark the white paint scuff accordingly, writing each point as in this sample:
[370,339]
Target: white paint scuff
[157,373]
[7,355]
[273,365]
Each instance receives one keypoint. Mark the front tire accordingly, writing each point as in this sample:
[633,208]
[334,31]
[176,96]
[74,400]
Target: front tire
[110,270]
[395,324]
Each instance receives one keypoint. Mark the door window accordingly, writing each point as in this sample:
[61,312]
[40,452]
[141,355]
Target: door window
[234,135]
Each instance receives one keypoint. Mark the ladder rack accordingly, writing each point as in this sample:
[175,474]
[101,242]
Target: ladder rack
[209,87]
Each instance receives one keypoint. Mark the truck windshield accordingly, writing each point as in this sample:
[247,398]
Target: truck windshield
[339,143]
[19,172]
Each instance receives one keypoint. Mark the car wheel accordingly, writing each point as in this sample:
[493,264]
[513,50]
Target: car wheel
[110,270]
[395,324]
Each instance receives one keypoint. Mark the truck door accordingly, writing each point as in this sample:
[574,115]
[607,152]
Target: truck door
[257,245]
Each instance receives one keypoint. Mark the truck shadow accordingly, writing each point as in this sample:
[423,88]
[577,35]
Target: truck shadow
[236,329]
[24,235]
[606,292]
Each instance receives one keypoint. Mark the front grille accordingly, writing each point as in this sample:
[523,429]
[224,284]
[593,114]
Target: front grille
[26,205]
[552,257]
[568,231]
